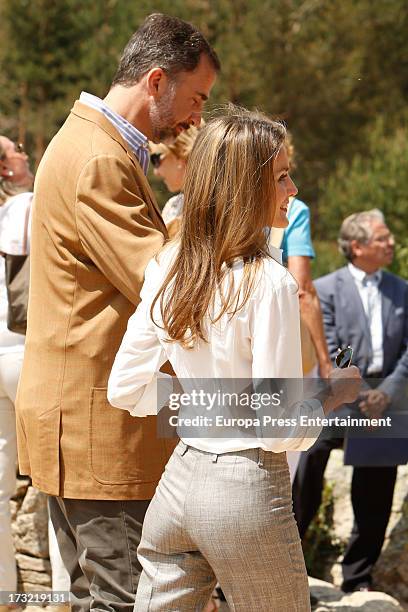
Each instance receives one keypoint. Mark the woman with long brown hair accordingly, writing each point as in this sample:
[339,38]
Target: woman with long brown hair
[219,306]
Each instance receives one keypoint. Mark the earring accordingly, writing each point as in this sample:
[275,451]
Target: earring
[10,173]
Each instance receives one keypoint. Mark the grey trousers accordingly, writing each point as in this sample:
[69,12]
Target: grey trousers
[98,542]
[228,516]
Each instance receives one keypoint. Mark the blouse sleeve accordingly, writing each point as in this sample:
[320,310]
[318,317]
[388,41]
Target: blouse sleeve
[133,380]
[277,363]
[15,226]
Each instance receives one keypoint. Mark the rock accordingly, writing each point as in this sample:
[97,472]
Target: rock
[40,579]
[331,598]
[30,534]
[392,567]
[391,572]
[34,501]
[30,528]
[339,476]
[61,608]
[22,485]
[13,509]
[26,562]
[30,587]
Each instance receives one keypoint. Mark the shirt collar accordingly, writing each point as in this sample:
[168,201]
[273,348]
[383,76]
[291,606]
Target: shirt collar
[360,276]
[275,253]
[135,139]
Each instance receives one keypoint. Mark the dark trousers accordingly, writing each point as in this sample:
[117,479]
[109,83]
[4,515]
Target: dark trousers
[98,542]
[372,490]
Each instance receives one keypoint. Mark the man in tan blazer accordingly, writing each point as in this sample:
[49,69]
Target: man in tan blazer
[95,226]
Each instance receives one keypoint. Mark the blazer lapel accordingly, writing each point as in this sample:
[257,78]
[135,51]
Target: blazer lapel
[386,289]
[352,300]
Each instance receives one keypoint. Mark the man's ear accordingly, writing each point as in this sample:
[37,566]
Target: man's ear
[156,81]
[355,248]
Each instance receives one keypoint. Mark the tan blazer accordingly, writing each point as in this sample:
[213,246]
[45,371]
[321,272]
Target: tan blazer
[95,226]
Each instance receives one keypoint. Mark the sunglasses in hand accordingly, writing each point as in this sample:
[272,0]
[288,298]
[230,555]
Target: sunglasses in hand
[344,357]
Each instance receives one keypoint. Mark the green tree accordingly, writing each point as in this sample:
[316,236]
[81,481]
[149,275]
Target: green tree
[377,179]
[39,61]
[328,67]
[108,25]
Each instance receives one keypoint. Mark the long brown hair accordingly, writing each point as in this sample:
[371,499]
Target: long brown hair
[229,199]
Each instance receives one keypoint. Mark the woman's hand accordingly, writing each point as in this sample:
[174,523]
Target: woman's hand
[345,387]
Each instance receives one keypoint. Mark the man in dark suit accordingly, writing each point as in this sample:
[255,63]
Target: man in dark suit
[366,308]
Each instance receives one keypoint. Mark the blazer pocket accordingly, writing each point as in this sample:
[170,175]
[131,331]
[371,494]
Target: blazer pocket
[122,449]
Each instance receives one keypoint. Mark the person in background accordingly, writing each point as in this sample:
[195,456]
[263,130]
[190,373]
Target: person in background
[15,178]
[364,307]
[169,162]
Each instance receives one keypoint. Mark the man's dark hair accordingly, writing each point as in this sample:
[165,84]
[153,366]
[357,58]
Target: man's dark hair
[168,42]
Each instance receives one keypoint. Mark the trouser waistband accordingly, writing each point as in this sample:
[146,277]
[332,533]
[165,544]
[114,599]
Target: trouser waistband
[257,454]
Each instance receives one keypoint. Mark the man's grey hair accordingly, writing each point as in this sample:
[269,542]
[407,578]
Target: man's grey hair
[357,226]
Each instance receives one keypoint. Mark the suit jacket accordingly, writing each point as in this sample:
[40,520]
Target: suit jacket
[346,324]
[95,226]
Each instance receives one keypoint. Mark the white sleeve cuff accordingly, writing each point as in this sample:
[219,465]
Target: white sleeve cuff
[150,401]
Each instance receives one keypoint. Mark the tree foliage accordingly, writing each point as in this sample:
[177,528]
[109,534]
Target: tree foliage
[376,179]
[332,69]
[39,62]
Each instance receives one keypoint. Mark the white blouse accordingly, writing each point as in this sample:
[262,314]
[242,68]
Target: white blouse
[12,224]
[261,341]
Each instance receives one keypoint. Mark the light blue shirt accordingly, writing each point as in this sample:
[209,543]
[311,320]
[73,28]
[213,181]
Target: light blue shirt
[135,139]
[297,239]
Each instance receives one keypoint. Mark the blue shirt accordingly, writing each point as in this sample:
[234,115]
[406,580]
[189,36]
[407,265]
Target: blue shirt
[135,139]
[296,238]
